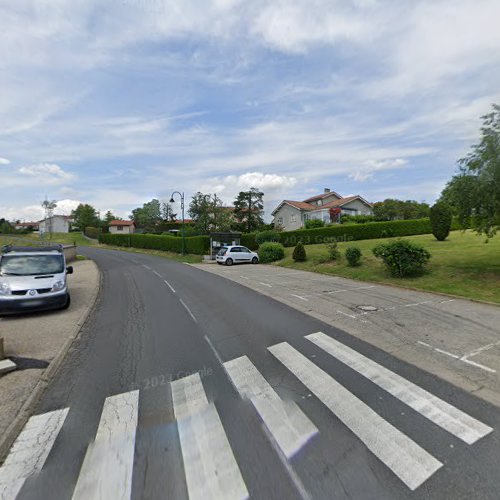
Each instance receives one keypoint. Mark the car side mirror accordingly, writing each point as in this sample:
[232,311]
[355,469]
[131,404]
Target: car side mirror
[69,270]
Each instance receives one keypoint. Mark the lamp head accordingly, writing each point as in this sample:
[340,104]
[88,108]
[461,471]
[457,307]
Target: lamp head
[172,200]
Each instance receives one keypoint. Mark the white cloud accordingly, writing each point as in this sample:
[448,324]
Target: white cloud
[46,173]
[4,161]
[34,213]
[369,167]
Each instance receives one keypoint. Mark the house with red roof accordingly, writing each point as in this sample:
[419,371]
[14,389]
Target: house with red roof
[122,227]
[328,206]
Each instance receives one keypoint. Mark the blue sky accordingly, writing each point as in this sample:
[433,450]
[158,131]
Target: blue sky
[114,103]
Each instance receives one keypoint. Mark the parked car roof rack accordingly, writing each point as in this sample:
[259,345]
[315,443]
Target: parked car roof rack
[12,248]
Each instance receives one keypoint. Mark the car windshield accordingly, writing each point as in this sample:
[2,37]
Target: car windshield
[29,265]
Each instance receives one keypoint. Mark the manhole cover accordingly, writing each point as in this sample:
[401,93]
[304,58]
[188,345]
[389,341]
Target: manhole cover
[367,308]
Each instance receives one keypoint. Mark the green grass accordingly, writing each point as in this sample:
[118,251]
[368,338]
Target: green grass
[71,238]
[462,265]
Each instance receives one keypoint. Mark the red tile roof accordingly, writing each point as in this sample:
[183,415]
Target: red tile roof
[122,223]
[301,205]
[321,196]
[344,201]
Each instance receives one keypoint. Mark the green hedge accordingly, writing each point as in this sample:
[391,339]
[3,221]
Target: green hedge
[92,232]
[248,240]
[195,244]
[353,232]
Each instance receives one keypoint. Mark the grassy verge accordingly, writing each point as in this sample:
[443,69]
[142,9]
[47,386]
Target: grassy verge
[78,238]
[462,265]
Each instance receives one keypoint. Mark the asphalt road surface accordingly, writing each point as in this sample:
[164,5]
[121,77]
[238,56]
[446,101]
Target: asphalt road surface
[186,385]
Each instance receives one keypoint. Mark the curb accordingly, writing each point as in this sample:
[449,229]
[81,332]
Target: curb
[29,405]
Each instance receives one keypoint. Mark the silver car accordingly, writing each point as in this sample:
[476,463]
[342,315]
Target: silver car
[33,279]
[236,254]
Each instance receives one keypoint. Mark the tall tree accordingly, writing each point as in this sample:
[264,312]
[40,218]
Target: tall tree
[474,193]
[209,213]
[248,209]
[167,212]
[149,216]
[392,209]
[85,215]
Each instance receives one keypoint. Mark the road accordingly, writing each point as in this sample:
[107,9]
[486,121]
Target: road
[184,384]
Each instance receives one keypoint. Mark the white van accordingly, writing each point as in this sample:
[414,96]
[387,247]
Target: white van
[33,279]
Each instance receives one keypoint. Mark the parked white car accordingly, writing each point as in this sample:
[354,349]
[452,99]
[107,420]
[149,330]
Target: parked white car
[236,254]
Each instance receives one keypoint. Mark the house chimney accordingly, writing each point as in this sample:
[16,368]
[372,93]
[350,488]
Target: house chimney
[327,190]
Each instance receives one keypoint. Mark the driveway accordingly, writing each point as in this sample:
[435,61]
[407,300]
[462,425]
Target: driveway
[456,339]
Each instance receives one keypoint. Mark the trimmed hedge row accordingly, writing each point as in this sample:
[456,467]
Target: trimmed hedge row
[194,244]
[367,231]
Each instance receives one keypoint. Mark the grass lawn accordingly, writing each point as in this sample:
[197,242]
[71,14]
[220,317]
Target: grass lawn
[462,265]
[71,238]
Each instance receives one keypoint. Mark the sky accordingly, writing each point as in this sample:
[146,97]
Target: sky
[116,102]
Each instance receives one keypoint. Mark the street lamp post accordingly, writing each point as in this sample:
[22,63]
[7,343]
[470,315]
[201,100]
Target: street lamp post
[182,226]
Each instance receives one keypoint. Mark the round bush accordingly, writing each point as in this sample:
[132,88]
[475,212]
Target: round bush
[314,223]
[270,251]
[299,253]
[441,218]
[353,256]
[402,257]
[333,250]
[264,236]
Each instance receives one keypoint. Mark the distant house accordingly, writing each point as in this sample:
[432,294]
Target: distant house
[33,226]
[55,224]
[291,215]
[122,227]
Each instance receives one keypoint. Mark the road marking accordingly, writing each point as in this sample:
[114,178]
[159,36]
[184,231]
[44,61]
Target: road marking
[463,359]
[189,311]
[214,350]
[348,315]
[30,451]
[245,277]
[265,284]
[210,467]
[147,267]
[299,297]
[108,464]
[286,422]
[169,285]
[444,415]
[158,274]
[411,463]
[348,289]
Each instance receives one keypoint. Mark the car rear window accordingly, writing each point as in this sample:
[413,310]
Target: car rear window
[222,251]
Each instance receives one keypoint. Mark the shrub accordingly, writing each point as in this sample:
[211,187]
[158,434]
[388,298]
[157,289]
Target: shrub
[270,251]
[441,220]
[299,253]
[195,244]
[402,257]
[248,240]
[314,223]
[268,235]
[92,232]
[333,251]
[353,256]
[350,232]
[356,219]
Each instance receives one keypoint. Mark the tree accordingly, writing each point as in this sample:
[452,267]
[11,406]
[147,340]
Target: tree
[109,217]
[209,213]
[167,212]
[299,253]
[85,215]
[474,193]
[248,208]
[441,218]
[149,216]
[392,209]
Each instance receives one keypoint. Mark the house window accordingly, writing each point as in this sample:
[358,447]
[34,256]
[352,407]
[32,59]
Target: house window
[119,228]
[279,221]
[319,203]
[293,218]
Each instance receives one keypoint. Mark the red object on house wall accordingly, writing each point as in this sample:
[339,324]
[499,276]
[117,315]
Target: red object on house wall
[335,214]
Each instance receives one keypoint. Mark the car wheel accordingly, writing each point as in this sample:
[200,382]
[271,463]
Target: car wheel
[229,262]
[68,302]
[255,260]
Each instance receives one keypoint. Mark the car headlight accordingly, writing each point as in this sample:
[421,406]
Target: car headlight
[58,285]
[4,289]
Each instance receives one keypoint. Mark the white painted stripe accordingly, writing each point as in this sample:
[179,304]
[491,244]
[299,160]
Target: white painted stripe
[210,467]
[478,365]
[411,463]
[147,267]
[158,274]
[286,422]
[299,297]
[29,452]
[169,285]
[214,350]
[265,284]
[448,417]
[189,311]
[108,465]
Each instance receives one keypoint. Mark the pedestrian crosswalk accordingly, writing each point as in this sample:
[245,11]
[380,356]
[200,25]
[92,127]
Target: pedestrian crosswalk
[212,470]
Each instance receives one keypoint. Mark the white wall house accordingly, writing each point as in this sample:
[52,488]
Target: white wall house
[291,215]
[122,227]
[55,224]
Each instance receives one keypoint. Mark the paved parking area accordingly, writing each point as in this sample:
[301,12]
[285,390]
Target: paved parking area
[457,339]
